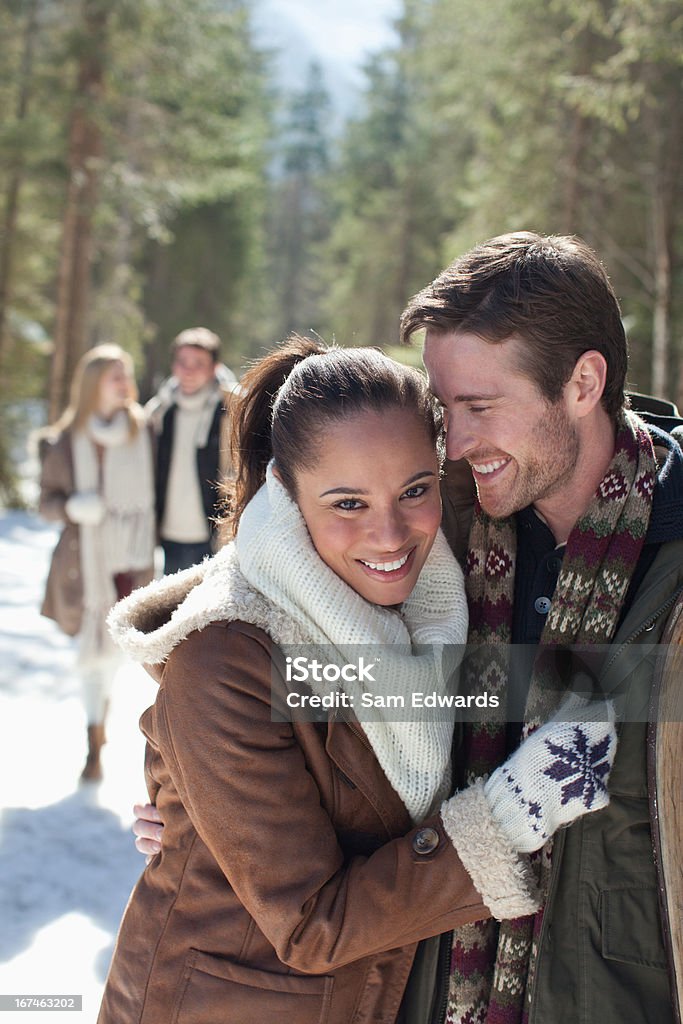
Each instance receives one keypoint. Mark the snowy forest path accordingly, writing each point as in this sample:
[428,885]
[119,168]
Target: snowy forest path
[67,858]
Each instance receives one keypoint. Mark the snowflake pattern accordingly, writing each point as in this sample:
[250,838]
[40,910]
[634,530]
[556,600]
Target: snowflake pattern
[582,767]
[533,808]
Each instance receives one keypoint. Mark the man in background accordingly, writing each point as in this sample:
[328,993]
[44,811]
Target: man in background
[188,414]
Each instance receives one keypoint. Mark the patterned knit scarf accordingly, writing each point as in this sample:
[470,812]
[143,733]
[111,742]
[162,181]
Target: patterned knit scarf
[492,964]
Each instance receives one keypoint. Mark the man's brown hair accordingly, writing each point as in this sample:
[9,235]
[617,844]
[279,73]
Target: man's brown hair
[198,337]
[551,291]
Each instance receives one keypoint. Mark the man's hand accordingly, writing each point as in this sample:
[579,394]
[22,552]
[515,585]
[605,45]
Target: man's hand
[149,828]
[558,774]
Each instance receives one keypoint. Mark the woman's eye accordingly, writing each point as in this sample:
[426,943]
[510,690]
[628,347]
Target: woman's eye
[479,408]
[349,504]
[415,492]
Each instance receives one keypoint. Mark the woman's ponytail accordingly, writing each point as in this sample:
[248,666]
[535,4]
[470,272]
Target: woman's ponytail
[250,434]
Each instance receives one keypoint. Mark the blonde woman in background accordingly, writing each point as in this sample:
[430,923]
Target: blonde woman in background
[97,479]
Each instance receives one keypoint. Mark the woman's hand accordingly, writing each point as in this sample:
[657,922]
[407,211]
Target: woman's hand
[149,828]
[86,508]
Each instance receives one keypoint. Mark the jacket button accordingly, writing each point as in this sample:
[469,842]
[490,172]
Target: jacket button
[542,605]
[425,841]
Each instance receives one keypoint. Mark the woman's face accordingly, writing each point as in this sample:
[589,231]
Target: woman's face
[114,391]
[372,503]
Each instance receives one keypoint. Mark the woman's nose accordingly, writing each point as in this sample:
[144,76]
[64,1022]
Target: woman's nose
[389,531]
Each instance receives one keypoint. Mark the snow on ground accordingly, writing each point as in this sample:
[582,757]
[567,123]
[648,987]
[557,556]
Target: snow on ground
[67,858]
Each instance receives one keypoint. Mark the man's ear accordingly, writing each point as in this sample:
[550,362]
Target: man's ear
[587,382]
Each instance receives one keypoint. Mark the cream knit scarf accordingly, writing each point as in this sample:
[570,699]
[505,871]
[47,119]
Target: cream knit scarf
[202,404]
[184,518]
[124,540]
[201,407]
[415,645]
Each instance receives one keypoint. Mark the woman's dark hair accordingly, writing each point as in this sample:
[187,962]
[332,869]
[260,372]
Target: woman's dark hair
[288,397]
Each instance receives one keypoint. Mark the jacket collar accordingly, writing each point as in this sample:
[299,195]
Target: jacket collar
[666,521]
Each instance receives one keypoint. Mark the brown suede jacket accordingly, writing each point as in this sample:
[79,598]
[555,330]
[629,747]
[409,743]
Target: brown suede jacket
[291,885]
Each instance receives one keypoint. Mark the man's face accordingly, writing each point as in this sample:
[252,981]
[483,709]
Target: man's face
[193,367]
[522,450]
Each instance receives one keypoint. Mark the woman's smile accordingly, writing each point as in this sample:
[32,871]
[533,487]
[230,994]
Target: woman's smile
[389,569]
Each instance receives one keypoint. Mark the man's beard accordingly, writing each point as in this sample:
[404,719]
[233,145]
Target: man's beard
[545,474]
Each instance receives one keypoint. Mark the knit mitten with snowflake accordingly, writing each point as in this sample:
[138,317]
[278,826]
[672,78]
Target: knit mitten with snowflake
[558,774]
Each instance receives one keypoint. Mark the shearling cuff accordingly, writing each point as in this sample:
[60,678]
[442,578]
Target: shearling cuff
[503,877]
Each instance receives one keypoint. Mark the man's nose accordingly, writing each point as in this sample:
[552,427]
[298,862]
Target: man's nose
[459,438]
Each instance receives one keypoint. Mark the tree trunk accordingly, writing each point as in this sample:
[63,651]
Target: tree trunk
[572,185]
[294,250]
[85,153]
[667,148]
[16,176]
[661,314]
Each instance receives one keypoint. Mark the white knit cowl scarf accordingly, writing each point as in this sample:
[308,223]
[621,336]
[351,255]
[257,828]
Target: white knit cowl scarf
[202,402]
[124,540]
[277,558]
[201,405]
